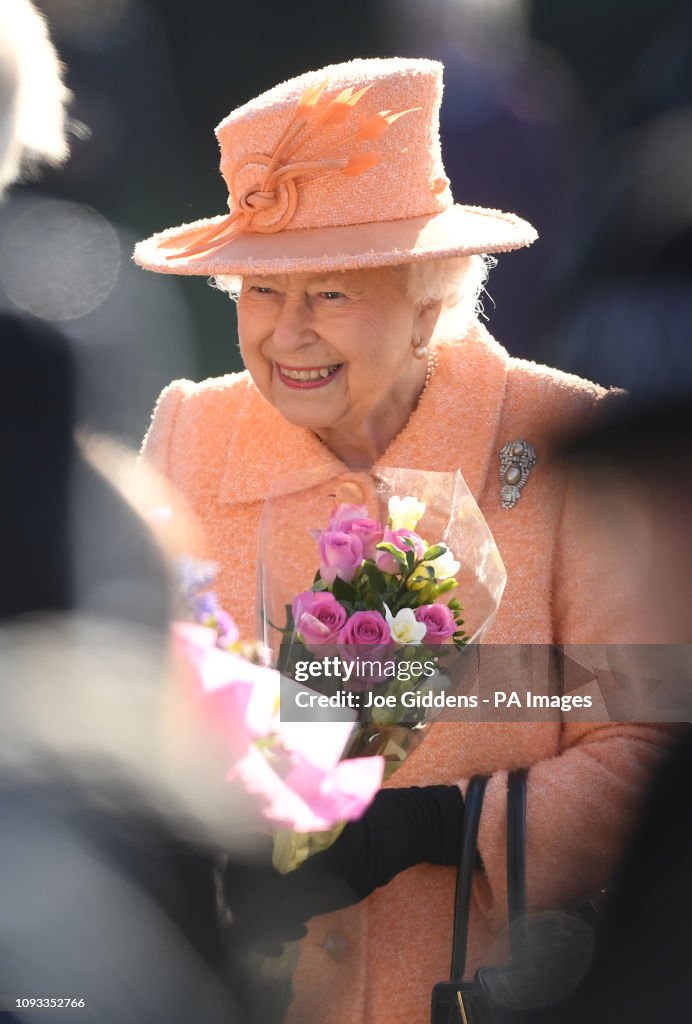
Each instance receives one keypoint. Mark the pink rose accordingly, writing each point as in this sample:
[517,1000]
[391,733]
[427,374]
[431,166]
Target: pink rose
[318,617]
[364,629]
[387,562]
[370,532]
[341,555]
[344,514]
[438,621]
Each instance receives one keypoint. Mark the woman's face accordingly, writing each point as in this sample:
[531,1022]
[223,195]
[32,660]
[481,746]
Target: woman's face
[333,351]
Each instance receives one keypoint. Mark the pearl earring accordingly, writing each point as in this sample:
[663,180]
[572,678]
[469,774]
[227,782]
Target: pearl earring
[420,350]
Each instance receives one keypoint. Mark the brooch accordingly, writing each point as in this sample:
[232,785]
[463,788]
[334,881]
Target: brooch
[517,459]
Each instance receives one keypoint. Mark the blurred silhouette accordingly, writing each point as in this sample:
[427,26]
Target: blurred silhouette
[91,840]
[68,541]
[639,461]
[107,874]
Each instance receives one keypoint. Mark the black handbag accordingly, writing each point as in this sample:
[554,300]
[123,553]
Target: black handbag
[496,994]
[550,952]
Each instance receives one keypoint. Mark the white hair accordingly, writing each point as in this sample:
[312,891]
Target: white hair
[456,283]
[32,93]
[230,284]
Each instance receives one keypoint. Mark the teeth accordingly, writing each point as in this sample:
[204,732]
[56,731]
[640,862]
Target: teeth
[309,374]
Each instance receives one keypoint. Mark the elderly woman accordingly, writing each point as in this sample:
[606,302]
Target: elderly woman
[357,281]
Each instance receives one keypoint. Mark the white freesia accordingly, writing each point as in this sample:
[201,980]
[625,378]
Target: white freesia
[404,513]
[445,566]
[404,626]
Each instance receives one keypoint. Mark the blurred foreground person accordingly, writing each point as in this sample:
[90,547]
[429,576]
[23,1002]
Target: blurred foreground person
[107,862]
[108,908]
[638,460]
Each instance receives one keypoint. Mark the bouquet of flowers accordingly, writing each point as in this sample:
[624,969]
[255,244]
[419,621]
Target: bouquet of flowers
[376,629]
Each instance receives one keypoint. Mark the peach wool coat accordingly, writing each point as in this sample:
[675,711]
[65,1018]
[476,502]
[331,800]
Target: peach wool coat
[222,446]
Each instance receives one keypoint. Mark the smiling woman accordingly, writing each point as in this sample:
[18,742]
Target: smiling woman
[346,253]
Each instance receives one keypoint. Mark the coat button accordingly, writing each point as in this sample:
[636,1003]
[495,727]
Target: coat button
[350,493]
[336,946]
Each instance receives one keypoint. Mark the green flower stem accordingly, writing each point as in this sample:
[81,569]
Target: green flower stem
[404,580]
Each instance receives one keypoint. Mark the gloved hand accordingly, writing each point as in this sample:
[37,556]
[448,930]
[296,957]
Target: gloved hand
[401,828]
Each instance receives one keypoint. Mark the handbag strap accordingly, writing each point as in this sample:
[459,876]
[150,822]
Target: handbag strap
[473,803]
[516,866]
[516,860]
[516,844]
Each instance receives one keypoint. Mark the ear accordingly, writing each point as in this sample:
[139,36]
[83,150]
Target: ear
[426,318]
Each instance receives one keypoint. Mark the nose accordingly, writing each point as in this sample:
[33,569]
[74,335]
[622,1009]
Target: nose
[293,328]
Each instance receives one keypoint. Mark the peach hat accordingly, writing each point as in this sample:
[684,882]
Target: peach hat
[335,170]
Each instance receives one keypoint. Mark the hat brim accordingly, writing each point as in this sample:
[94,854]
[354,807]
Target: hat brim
[457,231]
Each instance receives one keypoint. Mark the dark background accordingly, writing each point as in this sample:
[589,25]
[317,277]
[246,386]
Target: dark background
[543,103]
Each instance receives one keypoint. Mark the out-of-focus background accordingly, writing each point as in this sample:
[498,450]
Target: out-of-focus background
[577,116]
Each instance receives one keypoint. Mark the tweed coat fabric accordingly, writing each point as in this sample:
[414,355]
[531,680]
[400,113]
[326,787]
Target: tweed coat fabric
[223,446]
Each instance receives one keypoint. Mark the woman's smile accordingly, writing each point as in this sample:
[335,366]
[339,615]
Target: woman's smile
[307,376]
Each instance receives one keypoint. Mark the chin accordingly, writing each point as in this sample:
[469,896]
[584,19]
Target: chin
[304,420]
[299,413]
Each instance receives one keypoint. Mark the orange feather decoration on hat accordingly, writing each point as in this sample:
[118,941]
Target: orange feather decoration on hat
[282,177]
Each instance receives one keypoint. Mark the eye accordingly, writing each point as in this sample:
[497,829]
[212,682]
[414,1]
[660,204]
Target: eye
[261,289]
[331,296]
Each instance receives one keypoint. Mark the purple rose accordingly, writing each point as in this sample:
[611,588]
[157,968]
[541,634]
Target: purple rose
[370,532]
[438,621]
[318,617]
[387,562]
[364,629]
[343,514]
[341,554]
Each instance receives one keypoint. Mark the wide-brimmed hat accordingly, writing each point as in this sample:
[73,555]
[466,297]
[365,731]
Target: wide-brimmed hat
[337,169]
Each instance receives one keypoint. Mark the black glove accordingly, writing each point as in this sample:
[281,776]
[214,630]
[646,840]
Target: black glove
[401,828]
